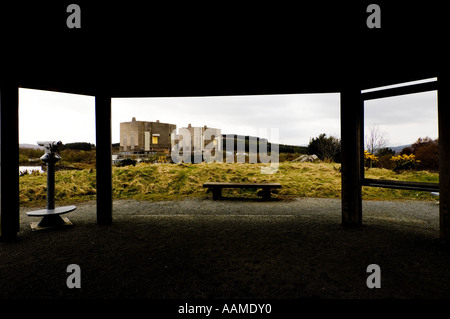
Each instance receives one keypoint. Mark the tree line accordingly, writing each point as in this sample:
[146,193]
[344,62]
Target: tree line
[423,154]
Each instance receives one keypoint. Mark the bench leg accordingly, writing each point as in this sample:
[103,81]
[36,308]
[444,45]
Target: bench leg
[266,194]
[217,193]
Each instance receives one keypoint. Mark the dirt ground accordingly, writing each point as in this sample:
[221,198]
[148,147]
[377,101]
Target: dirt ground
[228,249]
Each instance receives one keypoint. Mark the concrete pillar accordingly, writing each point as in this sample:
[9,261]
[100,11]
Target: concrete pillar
[104,159]
[444,155]
[352,144]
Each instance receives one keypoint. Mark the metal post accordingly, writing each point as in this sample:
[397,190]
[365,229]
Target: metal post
[50,216]
[50,186]
[50,159]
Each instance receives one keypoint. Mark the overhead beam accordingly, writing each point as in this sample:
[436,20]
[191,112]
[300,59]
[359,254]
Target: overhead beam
[9,161]
[352,117]
[409,89]
[103,158]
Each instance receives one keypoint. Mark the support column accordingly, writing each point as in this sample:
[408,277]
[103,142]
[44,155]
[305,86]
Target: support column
[103,159]
[444,156]
[9,161]
[352,149]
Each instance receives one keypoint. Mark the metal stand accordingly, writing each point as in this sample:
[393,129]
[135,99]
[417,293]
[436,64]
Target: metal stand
[50,215]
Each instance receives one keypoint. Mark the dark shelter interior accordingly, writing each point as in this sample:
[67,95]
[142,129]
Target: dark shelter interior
[136,50]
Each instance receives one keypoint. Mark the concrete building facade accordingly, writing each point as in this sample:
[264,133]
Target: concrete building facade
[200,138]
[145,137]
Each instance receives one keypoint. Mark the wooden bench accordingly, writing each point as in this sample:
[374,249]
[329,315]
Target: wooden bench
[217,188]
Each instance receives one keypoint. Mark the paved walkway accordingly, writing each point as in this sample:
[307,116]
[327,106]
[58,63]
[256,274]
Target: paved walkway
[232,249]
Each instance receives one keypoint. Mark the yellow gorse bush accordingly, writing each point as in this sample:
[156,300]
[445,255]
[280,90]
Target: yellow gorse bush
[404,162]
[370,156]
[369,159]
[405,157]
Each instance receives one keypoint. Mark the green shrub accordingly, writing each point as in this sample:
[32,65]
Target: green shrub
[126,162]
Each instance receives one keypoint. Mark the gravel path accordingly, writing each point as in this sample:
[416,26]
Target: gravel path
[200,248]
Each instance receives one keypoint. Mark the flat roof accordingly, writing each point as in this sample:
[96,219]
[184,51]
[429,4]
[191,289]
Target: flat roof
[136,50]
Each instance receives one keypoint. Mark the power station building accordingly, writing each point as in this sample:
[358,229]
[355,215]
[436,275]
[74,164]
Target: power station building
[141,137]
[199,138]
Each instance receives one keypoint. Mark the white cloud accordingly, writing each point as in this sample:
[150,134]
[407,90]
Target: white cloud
[45,115]
[405,118]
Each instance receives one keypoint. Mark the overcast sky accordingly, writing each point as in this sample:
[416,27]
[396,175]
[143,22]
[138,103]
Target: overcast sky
[70,118]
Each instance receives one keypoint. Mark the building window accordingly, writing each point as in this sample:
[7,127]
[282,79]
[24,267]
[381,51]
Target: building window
[154,139]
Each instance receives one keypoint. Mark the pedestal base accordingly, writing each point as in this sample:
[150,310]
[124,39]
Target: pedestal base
[42,226]
[51,218]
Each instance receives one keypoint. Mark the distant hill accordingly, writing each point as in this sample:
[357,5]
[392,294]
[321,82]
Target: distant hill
[33,146]
[398,149]
[282,148]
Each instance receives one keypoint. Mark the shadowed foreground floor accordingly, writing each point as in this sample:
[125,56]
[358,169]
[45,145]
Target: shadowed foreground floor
[231,249]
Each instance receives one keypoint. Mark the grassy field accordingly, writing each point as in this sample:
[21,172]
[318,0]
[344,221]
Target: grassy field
[177,181]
